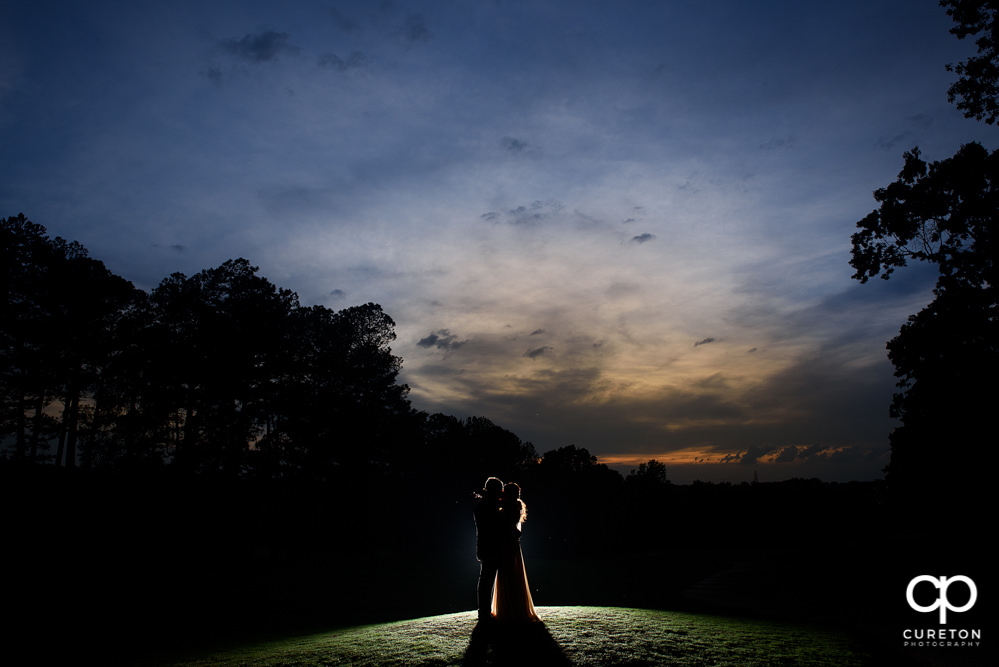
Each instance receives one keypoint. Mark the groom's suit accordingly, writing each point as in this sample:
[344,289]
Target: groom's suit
[489,531]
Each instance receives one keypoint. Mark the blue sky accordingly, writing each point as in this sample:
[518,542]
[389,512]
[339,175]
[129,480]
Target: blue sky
[624,226]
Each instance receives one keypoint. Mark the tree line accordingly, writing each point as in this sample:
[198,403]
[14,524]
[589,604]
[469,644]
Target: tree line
[220,373]
[223,374]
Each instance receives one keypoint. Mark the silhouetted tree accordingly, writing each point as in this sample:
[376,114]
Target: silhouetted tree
[95,300]
[976,91]
[26,339]
[648,475]
[945,356]
[218,346]
[124,434]
[56,334]
[339,402]
[584,494]
[569,460]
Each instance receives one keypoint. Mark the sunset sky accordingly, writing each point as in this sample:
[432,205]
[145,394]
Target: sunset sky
[620,225]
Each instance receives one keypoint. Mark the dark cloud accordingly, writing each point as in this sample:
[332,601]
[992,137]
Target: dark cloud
[338,294]
[345,23]
[514,145]
[539,351]
[754,454]
[534,213]
[414,30]
[643,238]
[442,339]
[176,247]
[625,222]
[770,454]
[704,341]
[537,332]
[786,455]
[355,60]
[262,47]
[779,142]
[519,147]
[890,144]
[213,74]
[527,214]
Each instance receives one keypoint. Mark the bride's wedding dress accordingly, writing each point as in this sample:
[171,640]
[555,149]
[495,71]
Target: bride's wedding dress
[511,594]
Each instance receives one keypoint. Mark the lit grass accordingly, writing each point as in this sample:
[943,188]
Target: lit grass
[581,636]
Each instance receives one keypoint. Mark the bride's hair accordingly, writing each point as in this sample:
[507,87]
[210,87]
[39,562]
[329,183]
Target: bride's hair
[512,491]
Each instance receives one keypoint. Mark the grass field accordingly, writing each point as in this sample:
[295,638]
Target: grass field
[579,636]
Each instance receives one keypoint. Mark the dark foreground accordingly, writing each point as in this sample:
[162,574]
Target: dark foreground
[126,572]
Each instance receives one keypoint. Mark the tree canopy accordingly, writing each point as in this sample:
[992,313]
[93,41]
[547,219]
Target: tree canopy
[945,357]
[976,90]
[218,372]
[942,213]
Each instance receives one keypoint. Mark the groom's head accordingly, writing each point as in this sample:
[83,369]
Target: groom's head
[493,487]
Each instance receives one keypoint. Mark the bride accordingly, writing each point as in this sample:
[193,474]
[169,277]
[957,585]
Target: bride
[511,595]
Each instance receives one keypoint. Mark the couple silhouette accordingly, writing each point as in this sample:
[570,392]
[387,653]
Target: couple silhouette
[503,593]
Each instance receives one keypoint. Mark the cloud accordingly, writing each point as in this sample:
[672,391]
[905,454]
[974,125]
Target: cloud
[643,238]
[519,147]
[213,74]
[786,455]
[531,214]
[539,351]
[355,60]
[442,339]
[514,145]
[262,47]
[753,454]
[704,341]
[414,30]
[338,294]
[779,142]
[344,23]
[797,454]
[176,247]
[537,332]
[889,144]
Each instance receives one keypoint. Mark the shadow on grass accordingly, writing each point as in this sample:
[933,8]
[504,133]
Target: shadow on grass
[521,644]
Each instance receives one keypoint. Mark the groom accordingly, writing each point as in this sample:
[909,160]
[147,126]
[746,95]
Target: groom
[488,542]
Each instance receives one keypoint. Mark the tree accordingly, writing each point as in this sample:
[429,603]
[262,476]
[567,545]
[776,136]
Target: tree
[26,377]
[55,336]
[338,402]
[651,475]
[88,303]
[218,345]
[943,213]
[975,92]
[945,356]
